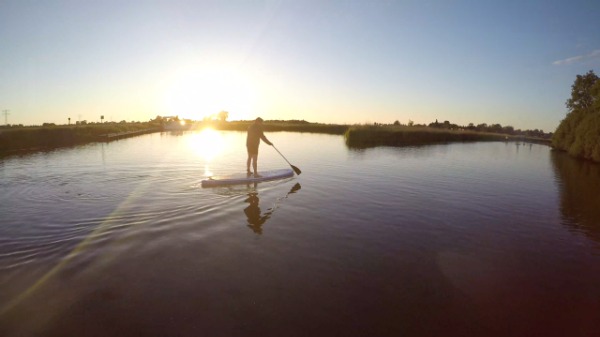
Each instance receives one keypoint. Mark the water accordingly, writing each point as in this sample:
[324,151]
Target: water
[119,239]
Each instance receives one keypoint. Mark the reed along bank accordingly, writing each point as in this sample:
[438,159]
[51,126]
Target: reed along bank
[48,137]
[370,136]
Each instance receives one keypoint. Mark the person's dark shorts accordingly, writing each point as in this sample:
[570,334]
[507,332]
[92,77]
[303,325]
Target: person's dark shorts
[252,149]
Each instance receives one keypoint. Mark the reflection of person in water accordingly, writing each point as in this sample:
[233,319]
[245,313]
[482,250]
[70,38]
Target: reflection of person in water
[255,218]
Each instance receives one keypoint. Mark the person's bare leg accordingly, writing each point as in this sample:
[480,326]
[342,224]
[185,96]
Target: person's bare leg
[248,163]
[255,164]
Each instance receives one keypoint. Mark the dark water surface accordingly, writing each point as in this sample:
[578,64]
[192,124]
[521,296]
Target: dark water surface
[119,239]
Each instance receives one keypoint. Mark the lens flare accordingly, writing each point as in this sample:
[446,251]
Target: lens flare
[207,144]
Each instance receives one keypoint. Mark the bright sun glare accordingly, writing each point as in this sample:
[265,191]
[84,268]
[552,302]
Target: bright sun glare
[197,93]
[207,144]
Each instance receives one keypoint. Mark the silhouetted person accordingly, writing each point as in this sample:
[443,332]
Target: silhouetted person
[255,134]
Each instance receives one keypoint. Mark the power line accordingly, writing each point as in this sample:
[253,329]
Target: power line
[5,113]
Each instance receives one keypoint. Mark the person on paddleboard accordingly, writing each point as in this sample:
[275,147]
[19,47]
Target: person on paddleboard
[255,134]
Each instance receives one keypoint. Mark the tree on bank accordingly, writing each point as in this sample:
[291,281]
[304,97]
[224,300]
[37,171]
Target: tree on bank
[579,132]
[223,115]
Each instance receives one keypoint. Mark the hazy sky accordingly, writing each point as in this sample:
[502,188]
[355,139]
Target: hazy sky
[507,62]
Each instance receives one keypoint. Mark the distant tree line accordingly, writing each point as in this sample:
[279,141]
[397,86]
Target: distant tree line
[9,126]
[579,132]
[83,122]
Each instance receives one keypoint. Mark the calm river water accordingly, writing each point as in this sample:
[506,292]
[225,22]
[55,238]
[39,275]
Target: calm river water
[119,239]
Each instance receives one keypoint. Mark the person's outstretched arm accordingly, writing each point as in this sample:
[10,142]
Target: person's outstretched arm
[264,138]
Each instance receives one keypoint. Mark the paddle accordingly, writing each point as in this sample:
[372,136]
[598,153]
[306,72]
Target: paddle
[297,170]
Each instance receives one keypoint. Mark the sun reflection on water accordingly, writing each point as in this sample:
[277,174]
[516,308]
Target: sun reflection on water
[207,171]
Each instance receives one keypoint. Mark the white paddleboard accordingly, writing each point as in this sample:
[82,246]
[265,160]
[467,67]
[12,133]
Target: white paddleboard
[243,178]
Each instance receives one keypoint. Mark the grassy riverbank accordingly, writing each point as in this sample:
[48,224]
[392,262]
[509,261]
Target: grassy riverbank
[17,139]
[274,126]
[369,136]
[45,137]
[377,135]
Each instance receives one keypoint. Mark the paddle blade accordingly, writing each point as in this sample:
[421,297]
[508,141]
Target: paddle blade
[297,170]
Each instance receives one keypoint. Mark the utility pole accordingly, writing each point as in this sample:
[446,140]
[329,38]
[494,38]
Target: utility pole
[5,113]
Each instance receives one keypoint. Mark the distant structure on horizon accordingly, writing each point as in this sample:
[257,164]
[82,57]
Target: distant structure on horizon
[5,112]
[173,123]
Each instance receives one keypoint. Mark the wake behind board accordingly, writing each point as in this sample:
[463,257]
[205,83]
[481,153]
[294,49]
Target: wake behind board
[237,179]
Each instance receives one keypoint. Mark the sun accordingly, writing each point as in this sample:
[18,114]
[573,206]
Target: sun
[207,144]
[199,92]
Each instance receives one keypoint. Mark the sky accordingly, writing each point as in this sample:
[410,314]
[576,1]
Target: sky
[507,62]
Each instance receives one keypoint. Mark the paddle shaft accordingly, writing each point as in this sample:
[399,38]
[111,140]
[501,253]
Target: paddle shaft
[297,170]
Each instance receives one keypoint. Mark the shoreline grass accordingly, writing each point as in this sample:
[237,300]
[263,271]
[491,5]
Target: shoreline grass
[371,136]
[277,126]
[25,139]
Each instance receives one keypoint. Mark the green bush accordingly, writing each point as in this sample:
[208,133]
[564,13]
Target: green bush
[587,138]
[579,132]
